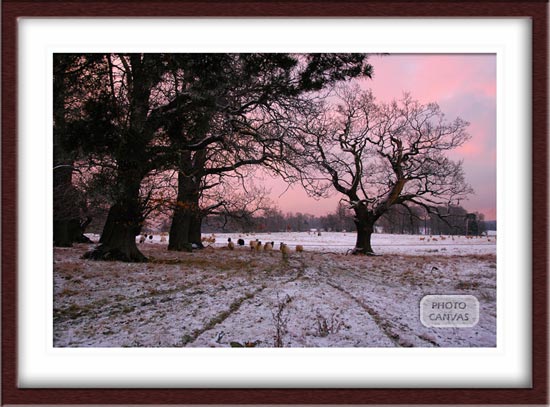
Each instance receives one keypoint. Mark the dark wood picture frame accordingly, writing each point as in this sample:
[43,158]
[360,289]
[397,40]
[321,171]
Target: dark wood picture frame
[537,11]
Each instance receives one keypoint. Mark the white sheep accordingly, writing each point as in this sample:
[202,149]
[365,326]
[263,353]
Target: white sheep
[209,239]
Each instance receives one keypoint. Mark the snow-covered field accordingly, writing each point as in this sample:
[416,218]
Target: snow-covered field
[382,243]
[319,298]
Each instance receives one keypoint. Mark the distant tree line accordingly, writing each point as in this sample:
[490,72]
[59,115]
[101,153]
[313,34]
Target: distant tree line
[397,220]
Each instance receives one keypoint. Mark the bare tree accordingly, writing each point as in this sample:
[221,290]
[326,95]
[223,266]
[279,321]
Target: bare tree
[381,154]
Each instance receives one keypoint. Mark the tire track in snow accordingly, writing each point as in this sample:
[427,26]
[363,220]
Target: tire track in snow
[219,318]
[382,324]
[234,307]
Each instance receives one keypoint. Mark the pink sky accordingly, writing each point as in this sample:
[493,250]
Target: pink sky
[463,85]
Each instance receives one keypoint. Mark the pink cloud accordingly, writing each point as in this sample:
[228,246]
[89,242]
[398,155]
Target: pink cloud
[432,77]
[463,85]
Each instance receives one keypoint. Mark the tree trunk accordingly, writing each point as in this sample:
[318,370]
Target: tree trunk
[364,223]
[185,229]
[66,209]
[63,208]
[179,231]
[69,231]
[61,235]
[195,231]
[124,222]
[364,234]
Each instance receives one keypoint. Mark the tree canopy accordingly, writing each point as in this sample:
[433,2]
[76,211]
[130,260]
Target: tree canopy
[202,115]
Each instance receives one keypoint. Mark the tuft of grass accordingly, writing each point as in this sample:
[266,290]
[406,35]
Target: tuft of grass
[74,311]
[327,326]
[467,285]
[487,296]
[280,320]
[67,292]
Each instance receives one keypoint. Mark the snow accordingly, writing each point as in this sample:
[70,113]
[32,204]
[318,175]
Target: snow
[341,242]
[322,297]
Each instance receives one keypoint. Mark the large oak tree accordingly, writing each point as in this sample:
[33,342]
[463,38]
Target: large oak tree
[378,155]
[118,130]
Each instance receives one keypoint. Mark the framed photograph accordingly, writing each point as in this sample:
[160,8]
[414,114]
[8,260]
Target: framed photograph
[274,202]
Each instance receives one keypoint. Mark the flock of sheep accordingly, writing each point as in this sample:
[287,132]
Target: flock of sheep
[143,238]
[441,237]
[255,245]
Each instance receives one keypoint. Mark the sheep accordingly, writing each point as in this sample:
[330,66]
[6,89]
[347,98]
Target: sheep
[268,246]
[299,248]
[240,242]
[285,250]
[230,244]
[422,238]
[258,246]
[208,239]
[253,244]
